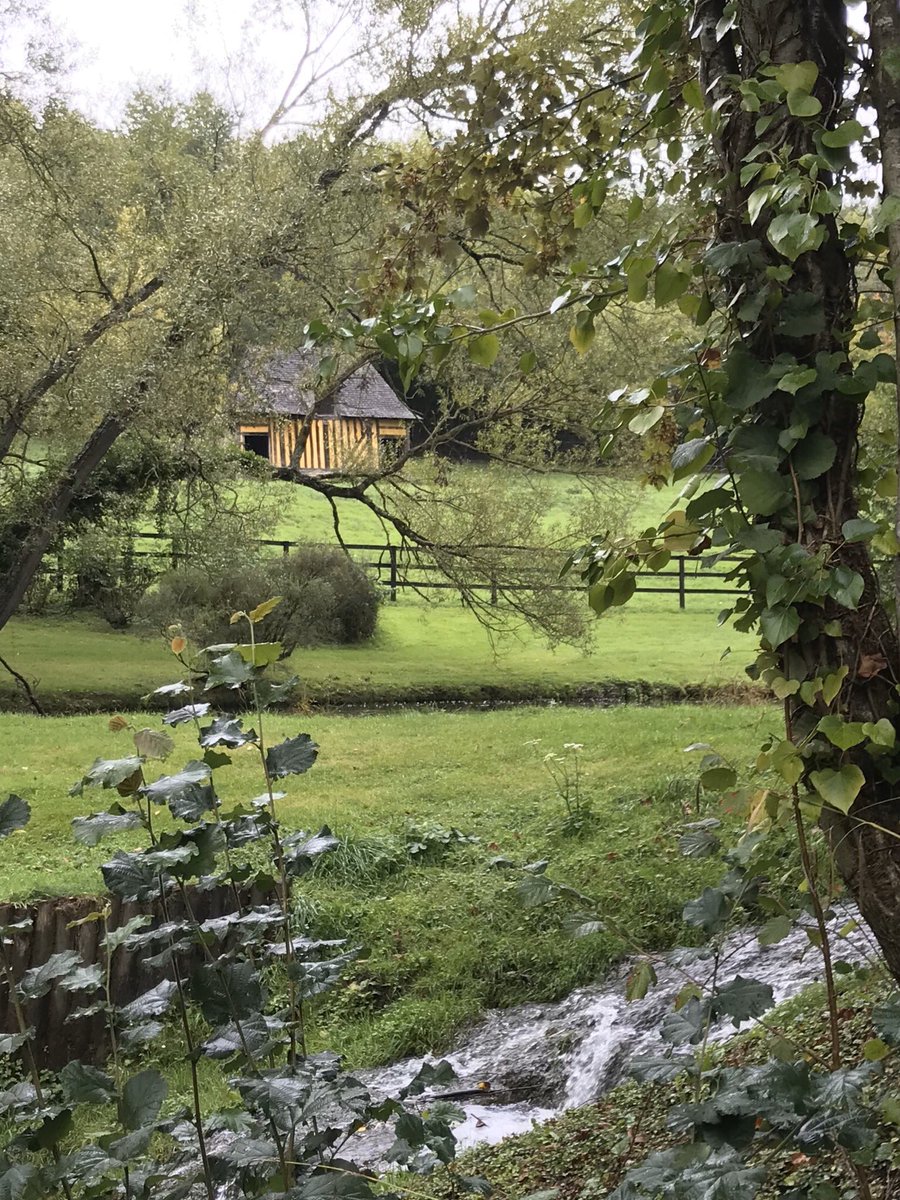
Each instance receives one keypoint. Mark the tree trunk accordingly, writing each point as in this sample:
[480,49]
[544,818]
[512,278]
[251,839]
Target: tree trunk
[884,38]
[866,842]
[18,575]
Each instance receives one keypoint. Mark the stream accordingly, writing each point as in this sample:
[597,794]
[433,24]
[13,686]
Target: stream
[526,1064]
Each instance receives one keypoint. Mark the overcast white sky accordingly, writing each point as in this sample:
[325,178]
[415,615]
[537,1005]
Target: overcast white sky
[186,45]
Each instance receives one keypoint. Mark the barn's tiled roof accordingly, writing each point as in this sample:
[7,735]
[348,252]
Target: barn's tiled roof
[278,384]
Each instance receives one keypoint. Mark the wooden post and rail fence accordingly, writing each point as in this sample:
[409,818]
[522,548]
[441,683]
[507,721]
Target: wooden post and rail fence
[400,568]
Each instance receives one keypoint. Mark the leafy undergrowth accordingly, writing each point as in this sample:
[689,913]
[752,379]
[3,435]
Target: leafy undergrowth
[443,933]
[585,1153]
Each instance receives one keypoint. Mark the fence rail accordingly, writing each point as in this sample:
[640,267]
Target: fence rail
[394,563]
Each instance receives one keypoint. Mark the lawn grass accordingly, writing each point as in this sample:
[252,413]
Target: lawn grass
[421,651]
[444,941]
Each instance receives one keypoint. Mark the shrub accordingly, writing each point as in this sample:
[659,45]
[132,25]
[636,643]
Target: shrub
[325,598]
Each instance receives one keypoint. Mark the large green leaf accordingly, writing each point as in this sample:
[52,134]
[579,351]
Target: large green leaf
[742,999]
[709,911]
[142,1098]
[227,731]
[292,757]
[90,831]
[797,76]
[793,234]
[15,814]
[749,380]
[107,773]
[779,623]
[691,456]
[38,981]
[188,793]
[483,350]
[763,492]
[130,876]
[83,1084]
[841,733]
[813,456]
[229,671]
[839,788]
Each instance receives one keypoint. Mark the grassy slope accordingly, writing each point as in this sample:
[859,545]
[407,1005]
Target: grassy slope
[444,941]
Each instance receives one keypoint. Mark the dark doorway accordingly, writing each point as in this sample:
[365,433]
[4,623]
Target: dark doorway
[257,443]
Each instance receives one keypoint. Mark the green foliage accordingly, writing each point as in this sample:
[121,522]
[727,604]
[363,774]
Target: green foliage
[273,1137]
[325,598]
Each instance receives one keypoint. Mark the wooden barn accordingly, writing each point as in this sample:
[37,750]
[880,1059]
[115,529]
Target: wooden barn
[355,429]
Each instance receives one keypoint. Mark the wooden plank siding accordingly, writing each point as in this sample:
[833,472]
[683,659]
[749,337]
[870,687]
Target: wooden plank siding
[333,444]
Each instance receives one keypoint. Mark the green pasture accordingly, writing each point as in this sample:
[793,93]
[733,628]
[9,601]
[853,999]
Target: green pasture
[434,650]
[447,939]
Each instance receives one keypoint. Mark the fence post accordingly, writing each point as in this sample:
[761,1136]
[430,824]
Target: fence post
[392,555]
[682,590]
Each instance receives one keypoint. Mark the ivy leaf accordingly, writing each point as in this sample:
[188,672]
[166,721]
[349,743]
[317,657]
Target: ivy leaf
[797,77]
[483,350]
[742,999]
[778,624]
[763,492]
[839,788]
[845,134]
[841,733]
[82,1084]
[15,814]
[793,234]
[846,586]
[90,831]
[292,757]
[709,911]
[881,732]
[801,104]
[886,214]
[859,530]
[691,456]
[749,380]
[813,456]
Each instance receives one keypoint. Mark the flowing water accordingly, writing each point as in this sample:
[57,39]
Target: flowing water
[526,1064]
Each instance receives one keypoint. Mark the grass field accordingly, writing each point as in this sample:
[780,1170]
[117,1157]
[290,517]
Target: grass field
[446,940]
[419,650]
